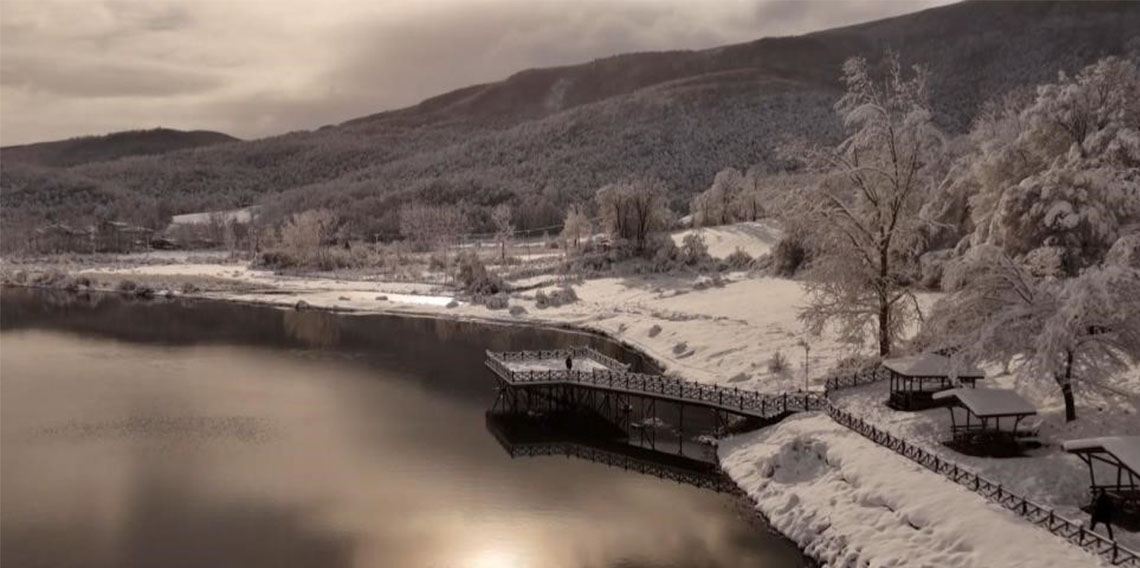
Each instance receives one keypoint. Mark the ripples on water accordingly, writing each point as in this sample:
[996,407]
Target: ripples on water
[205,434]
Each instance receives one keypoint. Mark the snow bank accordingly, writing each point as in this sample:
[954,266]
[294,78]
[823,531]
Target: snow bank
[243,215]
[755,238]
[849,502]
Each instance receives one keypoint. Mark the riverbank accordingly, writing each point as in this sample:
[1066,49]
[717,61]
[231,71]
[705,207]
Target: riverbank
[724,334]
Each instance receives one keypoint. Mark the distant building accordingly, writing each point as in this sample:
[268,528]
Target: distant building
[104,236]
[58,237]
[116,236]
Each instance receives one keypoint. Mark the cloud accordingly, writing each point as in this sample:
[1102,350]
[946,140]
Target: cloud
[263,67]
[85,77]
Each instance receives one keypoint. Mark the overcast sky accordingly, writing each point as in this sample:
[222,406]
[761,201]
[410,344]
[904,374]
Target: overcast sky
[254,68]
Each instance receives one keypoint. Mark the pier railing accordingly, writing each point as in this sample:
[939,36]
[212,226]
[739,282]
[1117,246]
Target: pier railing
[558,355]
[746,402]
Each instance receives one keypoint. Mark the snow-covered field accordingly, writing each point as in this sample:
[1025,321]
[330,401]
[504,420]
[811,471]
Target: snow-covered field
[755,238]
[849,502]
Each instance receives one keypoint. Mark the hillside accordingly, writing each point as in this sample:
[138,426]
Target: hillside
[544,137]
[87,149]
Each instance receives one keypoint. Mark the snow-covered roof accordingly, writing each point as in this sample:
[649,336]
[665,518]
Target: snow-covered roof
[989,402]
[931,365]
[1124,448]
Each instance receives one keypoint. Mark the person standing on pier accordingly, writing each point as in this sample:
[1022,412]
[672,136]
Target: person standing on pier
[569,363]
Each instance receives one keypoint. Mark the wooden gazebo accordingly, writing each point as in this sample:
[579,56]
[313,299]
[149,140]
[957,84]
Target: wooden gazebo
[916,378]
[986,421]
[1118,460]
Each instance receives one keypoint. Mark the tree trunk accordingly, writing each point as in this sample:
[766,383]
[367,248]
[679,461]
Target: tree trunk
[1067,389]
[884,301]
[884,328]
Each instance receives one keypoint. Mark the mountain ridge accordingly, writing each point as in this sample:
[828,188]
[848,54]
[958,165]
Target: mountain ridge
[543,138]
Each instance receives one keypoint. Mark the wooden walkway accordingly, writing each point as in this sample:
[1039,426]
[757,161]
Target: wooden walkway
[516,370]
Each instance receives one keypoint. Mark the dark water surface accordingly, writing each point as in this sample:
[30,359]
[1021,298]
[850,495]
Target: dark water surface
[202,434]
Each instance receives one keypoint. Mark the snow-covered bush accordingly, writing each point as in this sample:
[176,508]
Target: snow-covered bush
[1125,252]
[739,260]
[474,278]
[789,256]
[494,302]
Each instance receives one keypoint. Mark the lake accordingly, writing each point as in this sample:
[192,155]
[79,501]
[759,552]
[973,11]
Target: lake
[193,433]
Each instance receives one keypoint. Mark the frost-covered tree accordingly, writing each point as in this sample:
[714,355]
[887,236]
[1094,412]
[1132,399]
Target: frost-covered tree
[1074,330]
[576,227]
[504,227]
[1061,168]
[864,212]
[721,202]
[632,211]
[305,234]
[432,225]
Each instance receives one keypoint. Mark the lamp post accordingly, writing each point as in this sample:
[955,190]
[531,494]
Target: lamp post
[807,350]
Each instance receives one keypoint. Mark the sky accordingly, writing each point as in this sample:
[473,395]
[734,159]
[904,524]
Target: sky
[256,68]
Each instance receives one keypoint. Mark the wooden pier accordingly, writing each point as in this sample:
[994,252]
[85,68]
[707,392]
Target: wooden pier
[540,377]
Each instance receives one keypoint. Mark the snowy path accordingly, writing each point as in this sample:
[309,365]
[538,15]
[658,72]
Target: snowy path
[850,502]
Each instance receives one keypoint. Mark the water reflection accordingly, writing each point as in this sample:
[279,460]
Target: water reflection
[201,434]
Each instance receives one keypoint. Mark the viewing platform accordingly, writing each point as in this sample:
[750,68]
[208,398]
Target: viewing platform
[593,371]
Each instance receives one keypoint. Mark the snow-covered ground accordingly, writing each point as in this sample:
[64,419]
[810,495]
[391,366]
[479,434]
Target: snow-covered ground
[755,238]
[850,502]
[1046,475]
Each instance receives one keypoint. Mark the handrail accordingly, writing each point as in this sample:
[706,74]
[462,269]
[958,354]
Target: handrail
[730,399]
[1070,530]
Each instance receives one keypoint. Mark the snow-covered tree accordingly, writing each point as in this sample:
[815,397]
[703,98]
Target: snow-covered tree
[576,227]
[632,211]
[864,212]
[432,225]
[504,227]
[721,203]
[304,234]
[1073,330]
[1061,169]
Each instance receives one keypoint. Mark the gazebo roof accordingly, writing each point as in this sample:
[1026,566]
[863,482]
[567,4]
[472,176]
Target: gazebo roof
[986,403]
[1126,449]
[931,365]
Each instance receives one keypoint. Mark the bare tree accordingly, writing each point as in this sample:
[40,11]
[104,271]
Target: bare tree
[866,209]
[634,210]
[504,228]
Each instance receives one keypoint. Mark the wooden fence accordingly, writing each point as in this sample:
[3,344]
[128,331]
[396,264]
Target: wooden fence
[1042,516]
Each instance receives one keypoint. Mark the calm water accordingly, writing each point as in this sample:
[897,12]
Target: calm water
[202,434]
